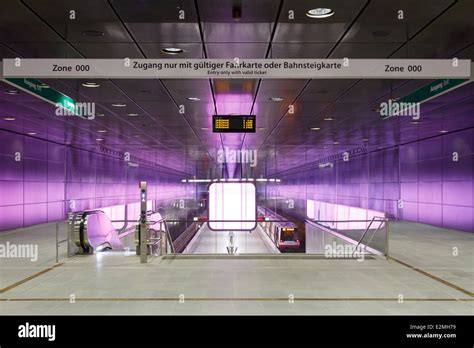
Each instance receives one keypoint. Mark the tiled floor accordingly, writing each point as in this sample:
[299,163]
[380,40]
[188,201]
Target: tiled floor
[44,236]
[116,283]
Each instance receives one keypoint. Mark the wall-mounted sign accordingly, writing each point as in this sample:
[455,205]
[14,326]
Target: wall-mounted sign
[233,123]
[44,92]
[412,101]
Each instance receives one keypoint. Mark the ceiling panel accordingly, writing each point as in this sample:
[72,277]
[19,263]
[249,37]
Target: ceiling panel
[19,24]
[108,50]
[455,25]
[236,50]
[381,21]
[299,50]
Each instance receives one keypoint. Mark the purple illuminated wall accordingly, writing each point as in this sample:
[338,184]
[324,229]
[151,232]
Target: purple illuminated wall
[52,179]
[433,188]
[31,187]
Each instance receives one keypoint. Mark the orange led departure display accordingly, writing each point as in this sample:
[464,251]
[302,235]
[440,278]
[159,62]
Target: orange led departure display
[233,123]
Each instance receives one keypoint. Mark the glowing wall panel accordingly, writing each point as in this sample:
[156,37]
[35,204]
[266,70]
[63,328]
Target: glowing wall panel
[232,201]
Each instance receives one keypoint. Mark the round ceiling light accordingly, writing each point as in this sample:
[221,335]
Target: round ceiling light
[93,33]
[11,92]
[91,84]
[320,12]
[172,50]
[119,105]
[380,33]
[193,98]
[275,99]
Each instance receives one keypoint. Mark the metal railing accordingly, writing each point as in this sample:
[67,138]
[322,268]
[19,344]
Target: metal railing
[157,234]
[381,220]
[59,242]
[345,234]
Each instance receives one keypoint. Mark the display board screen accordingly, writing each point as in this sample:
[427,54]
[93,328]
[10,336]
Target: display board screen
[233,123]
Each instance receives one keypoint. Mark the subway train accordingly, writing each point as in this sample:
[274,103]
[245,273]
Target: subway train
[283,233]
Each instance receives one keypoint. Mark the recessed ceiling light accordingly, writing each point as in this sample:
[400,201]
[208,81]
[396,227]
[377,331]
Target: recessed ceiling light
[93,33]
[9,118]
[315,128]
[380,33]
[119,105]
[31,133]
[11,92]
[172,50]
[67,143]
[102,131]
[204,128]
[260,128]
[443,131]
[137,135]
[415,122]
[336,143]
[132,114]
[193,98]
[365,139]
[275,99]
[91,84]
[100,114]
[328,119]
[320,12]
[99,139]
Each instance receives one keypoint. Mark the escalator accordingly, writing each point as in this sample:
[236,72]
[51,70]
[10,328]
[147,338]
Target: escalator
[93,231]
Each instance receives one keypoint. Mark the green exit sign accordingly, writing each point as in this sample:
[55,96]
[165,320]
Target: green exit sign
[430,91]
[46,93]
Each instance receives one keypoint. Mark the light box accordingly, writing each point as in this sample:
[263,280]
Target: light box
[229,202]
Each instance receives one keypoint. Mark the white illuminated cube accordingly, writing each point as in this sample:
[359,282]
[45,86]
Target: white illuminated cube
[232,204]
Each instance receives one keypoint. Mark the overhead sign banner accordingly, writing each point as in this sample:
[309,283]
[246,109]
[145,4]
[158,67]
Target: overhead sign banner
[237,68]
